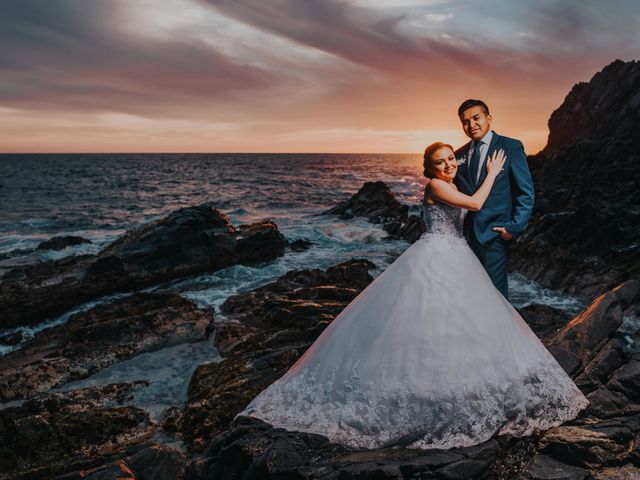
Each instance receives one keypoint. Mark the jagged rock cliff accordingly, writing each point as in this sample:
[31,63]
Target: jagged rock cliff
[584,235]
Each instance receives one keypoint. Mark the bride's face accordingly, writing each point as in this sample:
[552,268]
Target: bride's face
[443,164]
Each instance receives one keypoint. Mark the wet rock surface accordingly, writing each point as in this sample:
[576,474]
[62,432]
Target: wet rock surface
[254,450]
[55,433]
[263,333]
[300,245]
[544,320]
[376,202]
[99,337]
[143,462]
[188,241]
[60,243]
[578,343]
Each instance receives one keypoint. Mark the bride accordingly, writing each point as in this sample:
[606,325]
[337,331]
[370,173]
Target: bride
[430,354]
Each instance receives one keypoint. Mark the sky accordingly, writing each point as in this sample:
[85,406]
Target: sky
[293,75]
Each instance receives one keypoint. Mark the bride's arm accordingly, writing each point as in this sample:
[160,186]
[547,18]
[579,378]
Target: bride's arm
[443,192]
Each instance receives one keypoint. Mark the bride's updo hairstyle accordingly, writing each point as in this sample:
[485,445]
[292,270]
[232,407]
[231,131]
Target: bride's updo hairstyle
[428,154]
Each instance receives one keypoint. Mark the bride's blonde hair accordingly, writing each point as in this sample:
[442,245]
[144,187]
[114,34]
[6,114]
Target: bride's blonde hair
[428,154]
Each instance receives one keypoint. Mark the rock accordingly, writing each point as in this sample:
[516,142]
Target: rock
[584,233]
[598,108]
[543,467]
[218,391]
[16,252]
[99,337]
[157,462]
[410,229]
[513,457]
[582,338]
[300,245]
[60,243]
[189,241]
[56,433]
[619,394]
[604,361]
[606,404]
[626,379]
[117,470]
[376,202]
[598,371]
[544,320]
[626,472]
[589,446]
[306,296]
[153,462]
[11,338]
[265,331]
[254,450]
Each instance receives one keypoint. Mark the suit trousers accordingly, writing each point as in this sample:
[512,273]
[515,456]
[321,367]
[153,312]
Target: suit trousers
[494,257]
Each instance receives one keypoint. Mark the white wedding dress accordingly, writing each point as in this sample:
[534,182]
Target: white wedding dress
[429,355]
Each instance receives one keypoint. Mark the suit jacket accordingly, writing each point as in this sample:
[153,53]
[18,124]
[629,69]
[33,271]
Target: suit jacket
[510,201]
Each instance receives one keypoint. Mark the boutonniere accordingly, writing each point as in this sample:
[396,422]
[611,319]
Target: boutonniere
[461,161]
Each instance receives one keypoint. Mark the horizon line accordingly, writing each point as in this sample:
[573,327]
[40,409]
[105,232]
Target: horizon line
[222,153]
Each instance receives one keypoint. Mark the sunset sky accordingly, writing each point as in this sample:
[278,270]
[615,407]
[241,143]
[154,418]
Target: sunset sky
[292,75]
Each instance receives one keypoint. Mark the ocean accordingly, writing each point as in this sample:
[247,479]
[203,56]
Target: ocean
[101,196]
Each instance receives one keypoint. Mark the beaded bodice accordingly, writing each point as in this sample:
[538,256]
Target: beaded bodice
[443,219]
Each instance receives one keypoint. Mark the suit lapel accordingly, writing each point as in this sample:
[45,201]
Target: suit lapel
[493,146]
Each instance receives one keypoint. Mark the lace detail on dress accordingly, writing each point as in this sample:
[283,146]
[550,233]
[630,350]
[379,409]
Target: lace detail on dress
[368,415]
[443,219]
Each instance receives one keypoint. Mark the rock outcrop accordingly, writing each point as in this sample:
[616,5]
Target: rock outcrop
[97,338]
[584,337]
[584,235]
[254,450]
[376,202]
[188,241]
[263,333]
[84,434]
[55,433]
[60,243]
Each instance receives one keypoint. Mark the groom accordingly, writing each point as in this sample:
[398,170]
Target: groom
[506,211]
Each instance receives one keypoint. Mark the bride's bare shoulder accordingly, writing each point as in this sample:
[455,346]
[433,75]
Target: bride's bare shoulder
[426,199]
[439,184]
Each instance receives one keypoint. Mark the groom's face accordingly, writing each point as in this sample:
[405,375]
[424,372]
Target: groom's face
[475,122]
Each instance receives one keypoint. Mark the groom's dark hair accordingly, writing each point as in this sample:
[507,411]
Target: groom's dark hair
[467,104]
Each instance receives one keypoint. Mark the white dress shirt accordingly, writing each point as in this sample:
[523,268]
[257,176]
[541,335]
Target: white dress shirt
[484,143]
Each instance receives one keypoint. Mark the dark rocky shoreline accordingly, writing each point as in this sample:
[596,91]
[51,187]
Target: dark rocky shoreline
[581,239]
[187,242]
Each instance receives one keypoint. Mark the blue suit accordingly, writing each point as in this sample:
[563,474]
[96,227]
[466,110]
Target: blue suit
[508,205]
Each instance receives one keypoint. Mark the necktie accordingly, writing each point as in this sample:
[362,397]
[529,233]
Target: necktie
[474,163]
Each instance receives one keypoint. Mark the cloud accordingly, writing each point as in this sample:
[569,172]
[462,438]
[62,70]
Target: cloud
[277,71]
[439,42]
[360,35]
[71,54]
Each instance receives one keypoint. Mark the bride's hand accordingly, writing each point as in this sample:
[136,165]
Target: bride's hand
[496,162]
